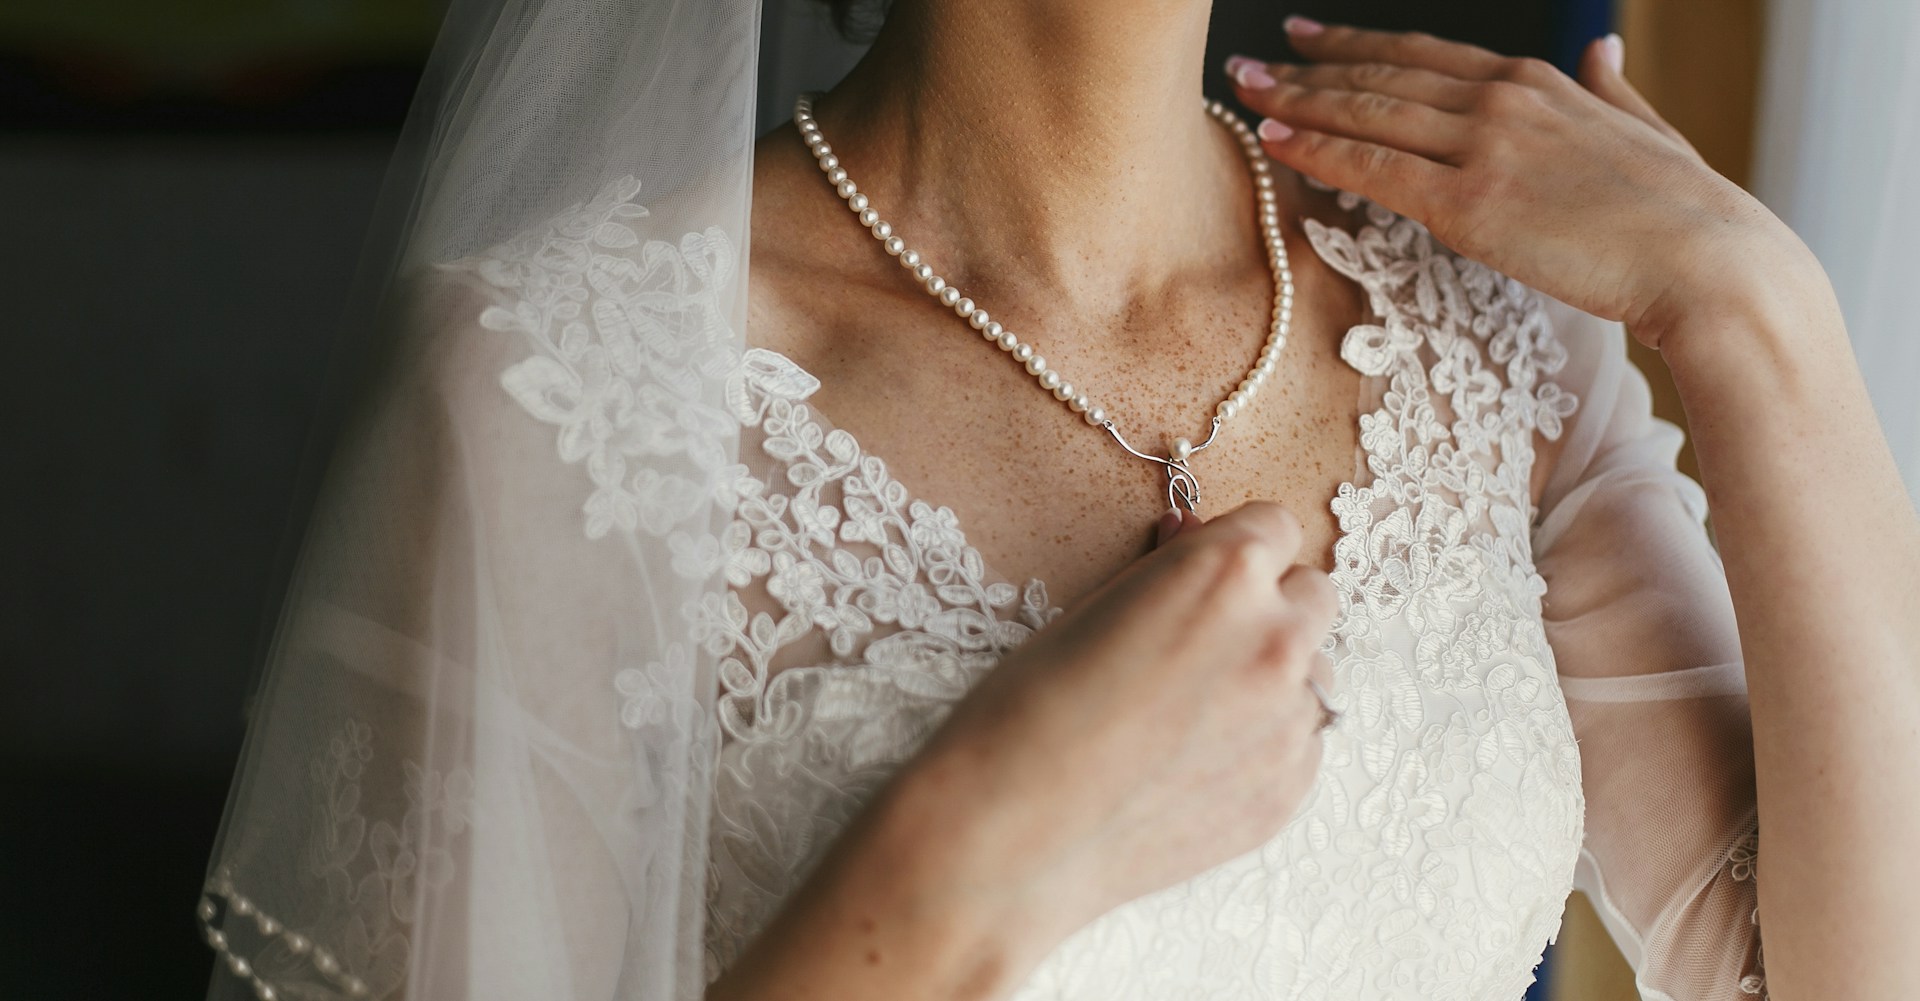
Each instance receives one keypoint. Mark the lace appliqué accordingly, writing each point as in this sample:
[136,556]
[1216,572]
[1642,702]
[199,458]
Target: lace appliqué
[1743,865]
[353,939]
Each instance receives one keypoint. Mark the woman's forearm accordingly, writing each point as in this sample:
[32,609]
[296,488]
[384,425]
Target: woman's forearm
[1822,554]
[911,903]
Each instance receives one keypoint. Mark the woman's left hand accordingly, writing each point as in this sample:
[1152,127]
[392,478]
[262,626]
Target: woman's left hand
[1578,189]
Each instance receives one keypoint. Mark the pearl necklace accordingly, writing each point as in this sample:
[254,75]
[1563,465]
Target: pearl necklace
[1182,488]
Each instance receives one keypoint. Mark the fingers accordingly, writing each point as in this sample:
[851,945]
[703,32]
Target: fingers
[1309,591]
[1602,72]
[1404,182]
[1341,44]
[1371,116]
[1265,523]
[1172,523]
[1436,90]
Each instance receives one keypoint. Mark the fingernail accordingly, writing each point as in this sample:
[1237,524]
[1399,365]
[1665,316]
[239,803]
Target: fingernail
[1615,49]
[1249,73]
[1169,522]
[1273,131]
[1305,27]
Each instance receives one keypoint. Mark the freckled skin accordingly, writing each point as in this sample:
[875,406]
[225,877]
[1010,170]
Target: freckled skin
[1038,491]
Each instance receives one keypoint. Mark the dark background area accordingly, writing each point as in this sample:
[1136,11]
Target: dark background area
[185,226]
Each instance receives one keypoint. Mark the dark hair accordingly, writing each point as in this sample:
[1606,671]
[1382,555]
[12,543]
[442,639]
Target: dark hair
[857,20]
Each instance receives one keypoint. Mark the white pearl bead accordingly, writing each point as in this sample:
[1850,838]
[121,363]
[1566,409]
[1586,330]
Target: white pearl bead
[1036,364]
[978,319]
[1022,352]
[923,271]
[936,285]
[264,991]
[356,987]
[993,329]
[239,965]
[949,295]
[1064,391]
[829,161]
[1096,416]
[836,175]
[964,308]
[217,939]
[267,925]
[868,217]
[1182,449]
[882,229]
[1049,380]
[895,245]
[909,259]
[817,142]
[240,905]
[324,962]
[858,203]
[1226,408]
[1007,340]
[206,910]
[1078,404]
[845,187]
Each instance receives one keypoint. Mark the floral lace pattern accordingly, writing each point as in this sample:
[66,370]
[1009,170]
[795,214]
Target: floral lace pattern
[353,939]
[1433,854]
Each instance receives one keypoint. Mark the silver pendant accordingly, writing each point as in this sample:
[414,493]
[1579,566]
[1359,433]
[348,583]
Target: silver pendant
[1183,488]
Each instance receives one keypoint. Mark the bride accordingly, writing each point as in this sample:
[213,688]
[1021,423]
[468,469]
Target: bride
[1108,549]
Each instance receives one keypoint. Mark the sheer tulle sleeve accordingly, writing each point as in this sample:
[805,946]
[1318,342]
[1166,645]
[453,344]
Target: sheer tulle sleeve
[474,768]
[1642,629]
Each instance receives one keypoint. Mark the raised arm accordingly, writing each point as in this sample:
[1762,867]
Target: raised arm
[1582,191]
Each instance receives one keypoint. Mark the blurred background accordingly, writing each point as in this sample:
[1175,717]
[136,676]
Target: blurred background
[189,183]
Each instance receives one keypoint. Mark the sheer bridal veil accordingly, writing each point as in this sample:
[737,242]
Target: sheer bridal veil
[478,758]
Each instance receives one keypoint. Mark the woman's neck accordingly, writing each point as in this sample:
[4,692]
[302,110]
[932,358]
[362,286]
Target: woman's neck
[1062,143]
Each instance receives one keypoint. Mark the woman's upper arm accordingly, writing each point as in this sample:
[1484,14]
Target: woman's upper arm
[1642,629]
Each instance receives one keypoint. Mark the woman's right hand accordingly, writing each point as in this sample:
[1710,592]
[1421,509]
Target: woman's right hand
[1162,726]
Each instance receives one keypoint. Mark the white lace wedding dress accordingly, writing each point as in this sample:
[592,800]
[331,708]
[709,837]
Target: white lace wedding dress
[1534,699]
[1481,648]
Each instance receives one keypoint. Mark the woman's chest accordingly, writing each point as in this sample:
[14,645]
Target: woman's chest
[1044,493]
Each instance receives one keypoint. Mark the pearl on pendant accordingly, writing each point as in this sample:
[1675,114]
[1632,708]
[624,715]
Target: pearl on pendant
[1181,450]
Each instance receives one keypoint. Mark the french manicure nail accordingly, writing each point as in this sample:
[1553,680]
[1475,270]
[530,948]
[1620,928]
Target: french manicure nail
[1249,73]
[1273,131]
[1304,27]
[1169,523]
[1615,49]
